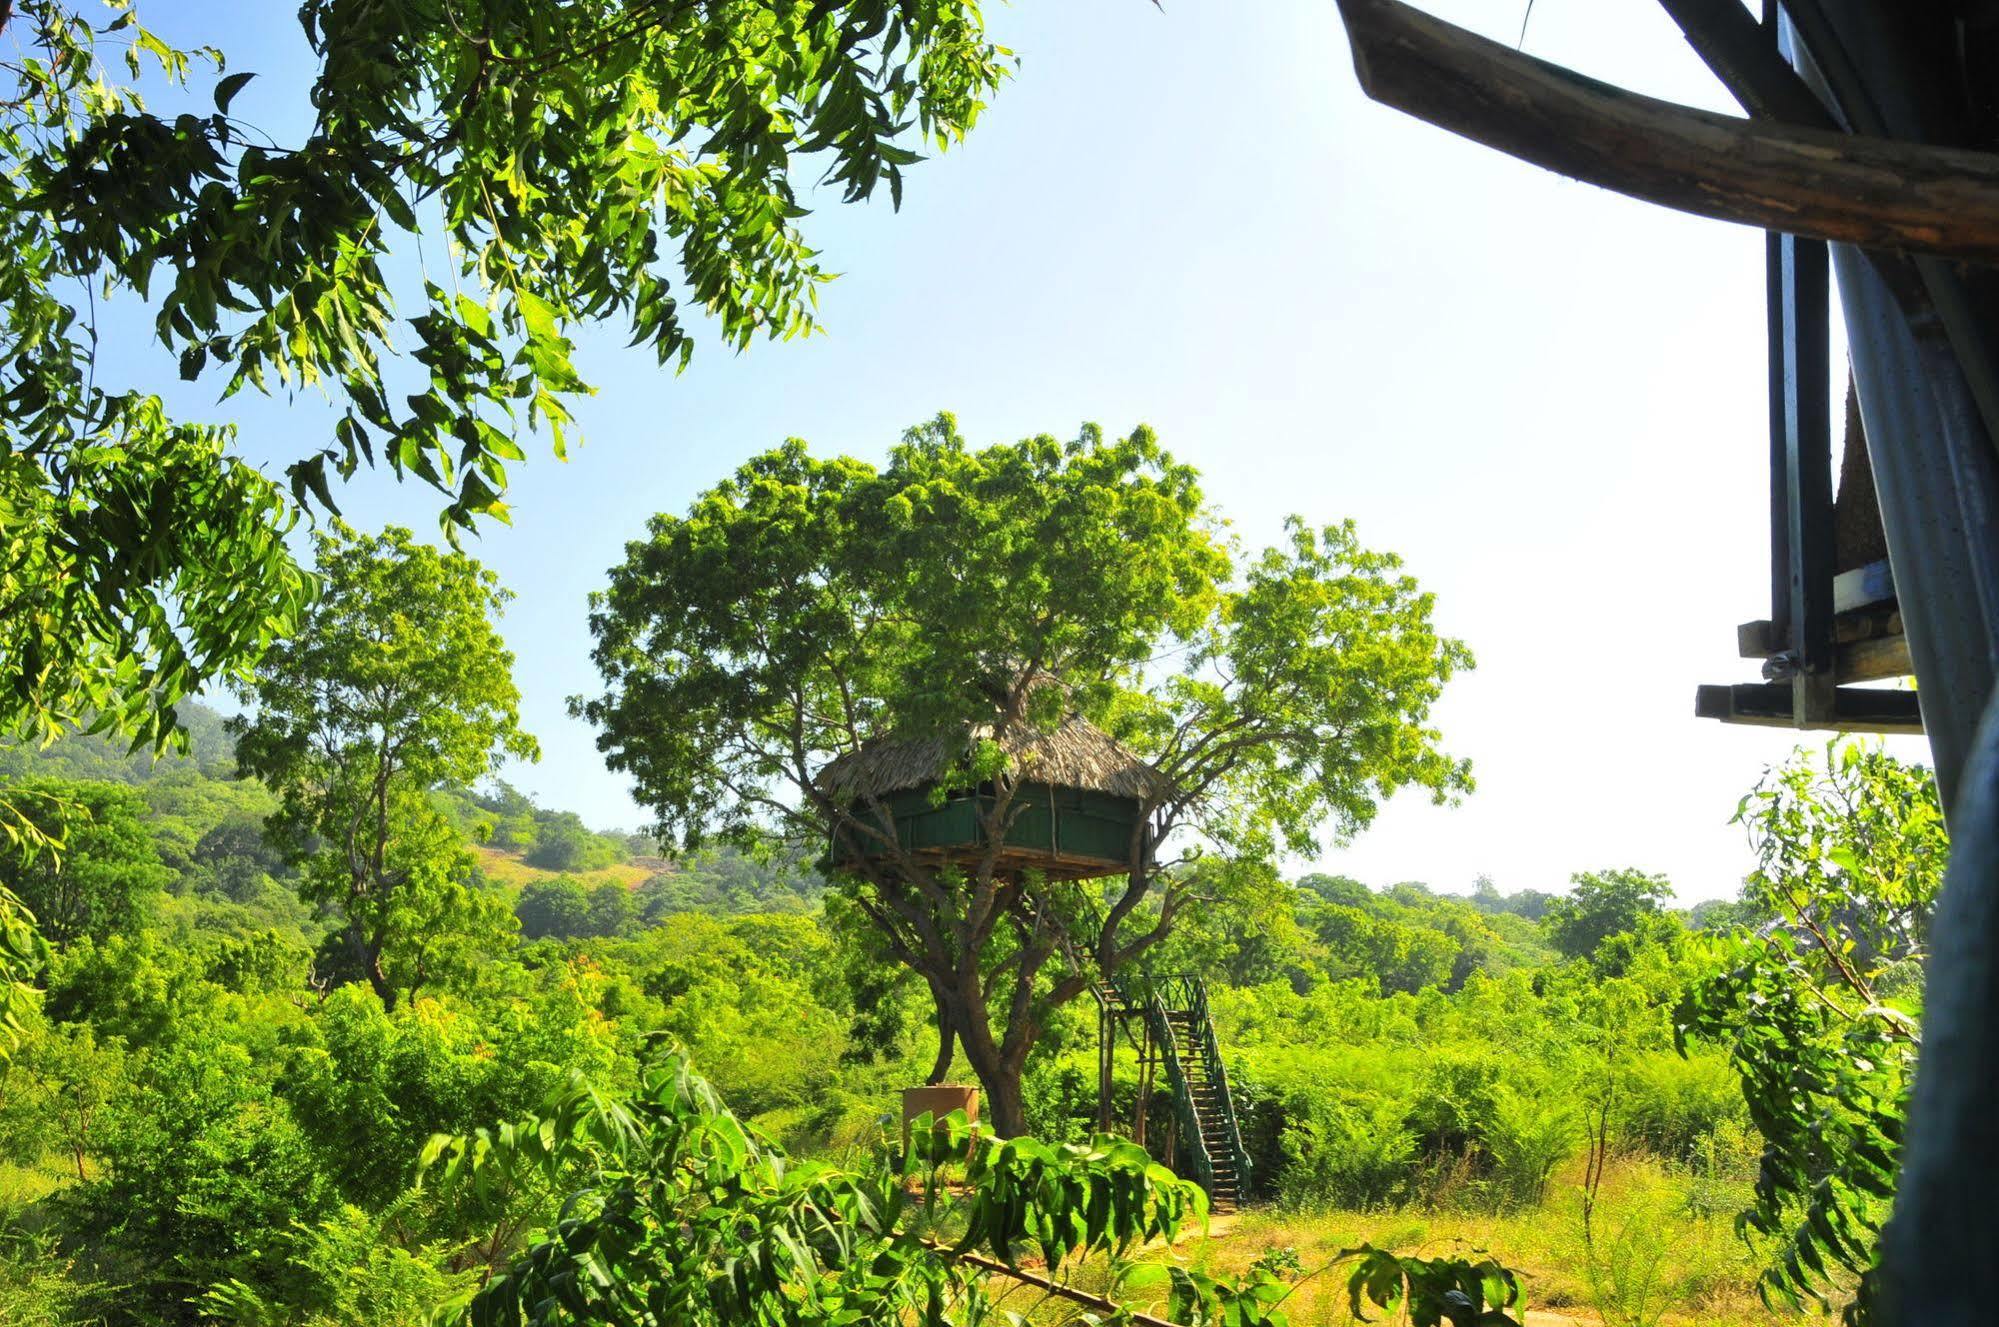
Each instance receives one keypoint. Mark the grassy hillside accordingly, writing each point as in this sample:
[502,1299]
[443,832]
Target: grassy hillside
[510,870]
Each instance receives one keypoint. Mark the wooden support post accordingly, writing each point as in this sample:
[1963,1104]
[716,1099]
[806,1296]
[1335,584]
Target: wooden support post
[1106,1048]
[1742,55]
[1146,1060]
[1801,542]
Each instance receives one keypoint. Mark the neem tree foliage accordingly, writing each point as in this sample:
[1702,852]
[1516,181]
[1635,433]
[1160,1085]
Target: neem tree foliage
[805,607]
[582,160]
[395,682]
[685,1216]
[1820,1009]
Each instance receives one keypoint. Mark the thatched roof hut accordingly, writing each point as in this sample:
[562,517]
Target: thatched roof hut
[1079,798]
[1075,754]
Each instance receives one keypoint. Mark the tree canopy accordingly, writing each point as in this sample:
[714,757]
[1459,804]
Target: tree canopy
[584,161]
[1601,904]
[107,869]
[805,608]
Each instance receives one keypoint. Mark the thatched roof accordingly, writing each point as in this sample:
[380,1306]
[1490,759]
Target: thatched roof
[1077,754]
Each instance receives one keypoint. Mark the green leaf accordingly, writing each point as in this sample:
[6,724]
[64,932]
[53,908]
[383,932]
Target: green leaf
[227,88]
[539,315]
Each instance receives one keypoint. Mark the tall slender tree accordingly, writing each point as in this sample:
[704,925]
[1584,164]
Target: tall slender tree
[396,682]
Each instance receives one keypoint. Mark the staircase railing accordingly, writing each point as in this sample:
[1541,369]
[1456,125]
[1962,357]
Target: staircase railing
[1211,1057]
[1156,996]
[1183,1094]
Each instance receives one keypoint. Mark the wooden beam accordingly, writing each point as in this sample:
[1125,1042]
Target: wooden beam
[1874,192]
[1769,705]
[1868,647]
[1761,639]
[1873,660]
[1743,55]
[1863,586]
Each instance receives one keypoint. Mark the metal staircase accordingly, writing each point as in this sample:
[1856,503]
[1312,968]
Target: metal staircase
[1179,1039]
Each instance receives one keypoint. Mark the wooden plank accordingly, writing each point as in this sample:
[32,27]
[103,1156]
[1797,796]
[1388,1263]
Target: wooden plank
[1873,660]
[1846,188]
[1769,705]
[1870,625]
[1759,639]
[1762,639]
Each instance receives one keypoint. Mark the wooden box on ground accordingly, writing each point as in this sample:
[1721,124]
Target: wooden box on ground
[938,1100]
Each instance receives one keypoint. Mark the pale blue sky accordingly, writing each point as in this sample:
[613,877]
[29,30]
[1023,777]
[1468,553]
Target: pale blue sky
[1549,399]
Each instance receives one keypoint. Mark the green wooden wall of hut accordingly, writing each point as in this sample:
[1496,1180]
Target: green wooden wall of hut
[1063,823]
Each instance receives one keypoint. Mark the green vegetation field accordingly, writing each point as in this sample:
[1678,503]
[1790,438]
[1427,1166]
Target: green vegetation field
[206,1121]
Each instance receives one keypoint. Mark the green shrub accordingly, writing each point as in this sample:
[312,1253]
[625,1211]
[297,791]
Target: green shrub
[350,1268]
[1672,1106]
[206,1175]
[1346,1155]
[1059,1097]
[1526,1135]
[564,843]
[41,1284]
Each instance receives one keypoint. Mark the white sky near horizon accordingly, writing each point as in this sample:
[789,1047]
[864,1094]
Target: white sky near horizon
[1549,399]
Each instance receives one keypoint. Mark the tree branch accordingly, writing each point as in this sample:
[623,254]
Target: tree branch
[1109,1307]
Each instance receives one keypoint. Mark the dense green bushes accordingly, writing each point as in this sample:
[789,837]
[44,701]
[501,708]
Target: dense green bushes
[1474,1097]
[207,1121]
[1351,1100]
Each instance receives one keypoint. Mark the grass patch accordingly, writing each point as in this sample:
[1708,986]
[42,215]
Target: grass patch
[507,870]
[1660,1256]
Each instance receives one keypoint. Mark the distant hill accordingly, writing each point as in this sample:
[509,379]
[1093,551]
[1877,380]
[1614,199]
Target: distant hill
[511,871]
[194,793]
[210,752]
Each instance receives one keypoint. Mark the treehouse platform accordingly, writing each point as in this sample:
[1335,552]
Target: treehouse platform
[1073,811]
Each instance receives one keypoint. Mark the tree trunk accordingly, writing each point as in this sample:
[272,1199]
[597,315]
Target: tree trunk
[946,1040]
[1003,1105]
[999,1074]
[370,958]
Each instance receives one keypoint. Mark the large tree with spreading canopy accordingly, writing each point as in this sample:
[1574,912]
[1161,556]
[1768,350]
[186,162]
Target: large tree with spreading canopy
[806,607]
[575,161]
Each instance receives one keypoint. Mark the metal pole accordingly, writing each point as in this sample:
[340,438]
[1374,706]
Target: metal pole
[1939,492]
[1923,368]
[1937,1254]
[1103,1065]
